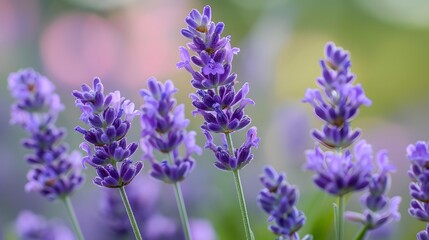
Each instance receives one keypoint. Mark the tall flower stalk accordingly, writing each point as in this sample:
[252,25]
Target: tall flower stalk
[339,172]
[55,173]
[164,130]
[109,119]
[216,98]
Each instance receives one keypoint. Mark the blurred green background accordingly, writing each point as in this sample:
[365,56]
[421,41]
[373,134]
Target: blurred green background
[126,41]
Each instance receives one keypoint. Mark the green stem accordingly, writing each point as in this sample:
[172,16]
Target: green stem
[362,233]
[340,218]
[240,193]
[182,211]
[181,206]
[130,213]
[70,210]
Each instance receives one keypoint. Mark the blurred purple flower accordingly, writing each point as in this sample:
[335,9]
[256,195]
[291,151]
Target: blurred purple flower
[337,173]
[379,208]
[278,199]
[109,118]
[30,226]
[202,229]
[54,172]
[340,102]
[164,129]
[36,102]
[419,175]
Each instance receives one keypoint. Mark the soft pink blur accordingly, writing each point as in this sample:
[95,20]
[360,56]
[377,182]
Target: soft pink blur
[18,21]
[125,47]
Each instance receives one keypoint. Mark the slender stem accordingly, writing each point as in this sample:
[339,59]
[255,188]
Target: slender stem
[340,218]
[70,210]
[130,213]
[182,211]
[181,206]
[362,233]
[240,193]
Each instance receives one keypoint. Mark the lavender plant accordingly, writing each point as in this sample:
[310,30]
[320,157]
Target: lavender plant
[164,129]
[54,172]
[339,172]
[418,154]
[109,118]
[278,200]
[216,98]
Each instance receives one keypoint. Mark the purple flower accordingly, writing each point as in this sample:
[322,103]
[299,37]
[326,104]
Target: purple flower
[278,200]
[340,101]
[379,208]
[419,175]
[214,53]
[109,118]
[242,155]
[36,102]
[424,234]
[54,172]
[337,173]
[30,226]
[164,129]
[216,98]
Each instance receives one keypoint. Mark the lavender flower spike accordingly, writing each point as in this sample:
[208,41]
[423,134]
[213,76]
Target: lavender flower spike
[109,119]
[54,172]
[418,154]
[216,99]
[164,129]
[340,101]
[278,199]
[379,208]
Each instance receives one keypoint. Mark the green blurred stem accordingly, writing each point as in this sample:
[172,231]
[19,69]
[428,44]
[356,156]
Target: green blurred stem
[362,233]
[182,211]
[130,213]
[340,218]
[241,199]
[181,206]
[71,212]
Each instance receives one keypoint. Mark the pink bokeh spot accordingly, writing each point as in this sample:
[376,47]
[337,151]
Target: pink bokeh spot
[18,20]
[76,47]
[153,38]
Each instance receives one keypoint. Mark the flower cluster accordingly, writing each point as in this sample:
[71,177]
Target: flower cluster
[164,129]
[54,173]
[340,102]
[379,208]
[341,173]
[109,118]
[278,199]
[216,99]
[418,154]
